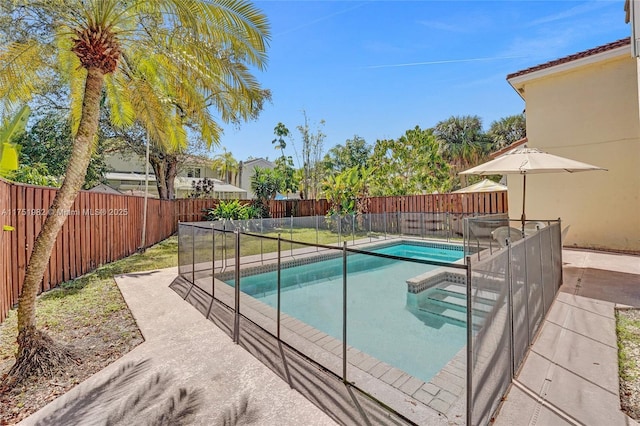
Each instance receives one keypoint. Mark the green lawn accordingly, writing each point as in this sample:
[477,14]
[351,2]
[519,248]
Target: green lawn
[90,299]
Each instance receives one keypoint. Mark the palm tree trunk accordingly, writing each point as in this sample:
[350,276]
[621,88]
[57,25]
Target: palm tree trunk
[74,178]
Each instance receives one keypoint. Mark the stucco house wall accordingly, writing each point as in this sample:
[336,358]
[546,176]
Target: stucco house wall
[585,109]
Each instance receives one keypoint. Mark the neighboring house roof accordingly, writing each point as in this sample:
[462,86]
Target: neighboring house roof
[129,176]
[105,189]
[509,147]
[580,55]
[255,161]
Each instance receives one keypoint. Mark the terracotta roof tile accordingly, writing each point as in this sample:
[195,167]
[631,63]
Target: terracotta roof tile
[509,147]
[575,56]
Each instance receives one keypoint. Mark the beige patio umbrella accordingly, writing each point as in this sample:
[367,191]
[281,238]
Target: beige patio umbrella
[485,185]
[526,161]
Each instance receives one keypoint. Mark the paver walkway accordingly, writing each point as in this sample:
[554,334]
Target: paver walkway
[570,376]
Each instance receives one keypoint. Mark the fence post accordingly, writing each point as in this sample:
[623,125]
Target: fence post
[339,228]
[344,312]
[261,248]
[385,225]
[544,309]
[512,351]
[213,262]
[353,229]
[369,216]
[279,287]
[236,322]
[291,234]
[469,345]
[193,254]
[317,218]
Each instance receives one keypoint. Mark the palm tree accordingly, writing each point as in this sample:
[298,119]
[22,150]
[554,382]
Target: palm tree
[462,141]
[507,130]
[226,164]
[193,50]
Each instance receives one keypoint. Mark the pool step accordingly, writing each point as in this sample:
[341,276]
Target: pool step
[454,313]
[455,300]
[435,313]
[482,295]
[448,301]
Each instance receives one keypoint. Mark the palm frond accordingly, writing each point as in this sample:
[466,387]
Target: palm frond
[21,68]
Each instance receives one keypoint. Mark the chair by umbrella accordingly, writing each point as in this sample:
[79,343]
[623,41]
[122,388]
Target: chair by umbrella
[526,161]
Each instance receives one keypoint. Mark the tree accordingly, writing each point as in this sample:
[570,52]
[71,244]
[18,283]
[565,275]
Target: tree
[226,164]
[47,145]
[354,153]
[281,132]
[411,164]
[507,130]
[312,148]
[462,141]
[288,178]
[265,183]
[348,191]
[122,52]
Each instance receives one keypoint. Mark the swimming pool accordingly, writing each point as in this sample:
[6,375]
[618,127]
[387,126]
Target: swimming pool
[378,322]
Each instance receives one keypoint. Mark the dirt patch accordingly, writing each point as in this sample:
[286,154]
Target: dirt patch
[628,330]
[96,341]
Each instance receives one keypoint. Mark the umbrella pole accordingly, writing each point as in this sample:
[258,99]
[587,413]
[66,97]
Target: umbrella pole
[524,193]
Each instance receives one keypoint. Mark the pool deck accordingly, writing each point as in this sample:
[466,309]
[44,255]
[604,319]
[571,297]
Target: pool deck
[569,376]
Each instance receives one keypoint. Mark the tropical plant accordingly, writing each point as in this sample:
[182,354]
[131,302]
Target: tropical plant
[49,142]
[461,138]
[8,133]
[195,51]
[411,164]
[265,183]
[354,153]
[348,192]
[287,175]
[507,130]
[232,210]
[312,148]
[34,174]
[226,165]
[280,131]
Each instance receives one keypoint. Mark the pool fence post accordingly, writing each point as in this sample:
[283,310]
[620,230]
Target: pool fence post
[261,248]
[179,264]
[448,225]
[344,312]
[512,350]
[339,228]
[369,216]
[317,218]
[279,286]
[353,229]
[193,254]
[385,224]
[213,261]
[469,345]
[291,234]
[527,296]
[422,225]
[544,309]
[236,322]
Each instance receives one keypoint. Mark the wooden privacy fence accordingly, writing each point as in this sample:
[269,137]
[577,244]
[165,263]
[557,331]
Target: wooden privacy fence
[101,228]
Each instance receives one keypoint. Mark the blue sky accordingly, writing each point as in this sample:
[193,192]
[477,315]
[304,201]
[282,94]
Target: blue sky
[378,68]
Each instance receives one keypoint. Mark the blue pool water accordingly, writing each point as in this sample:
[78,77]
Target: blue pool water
[378,322]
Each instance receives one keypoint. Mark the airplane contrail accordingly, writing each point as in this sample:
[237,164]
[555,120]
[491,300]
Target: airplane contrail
[449,61]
